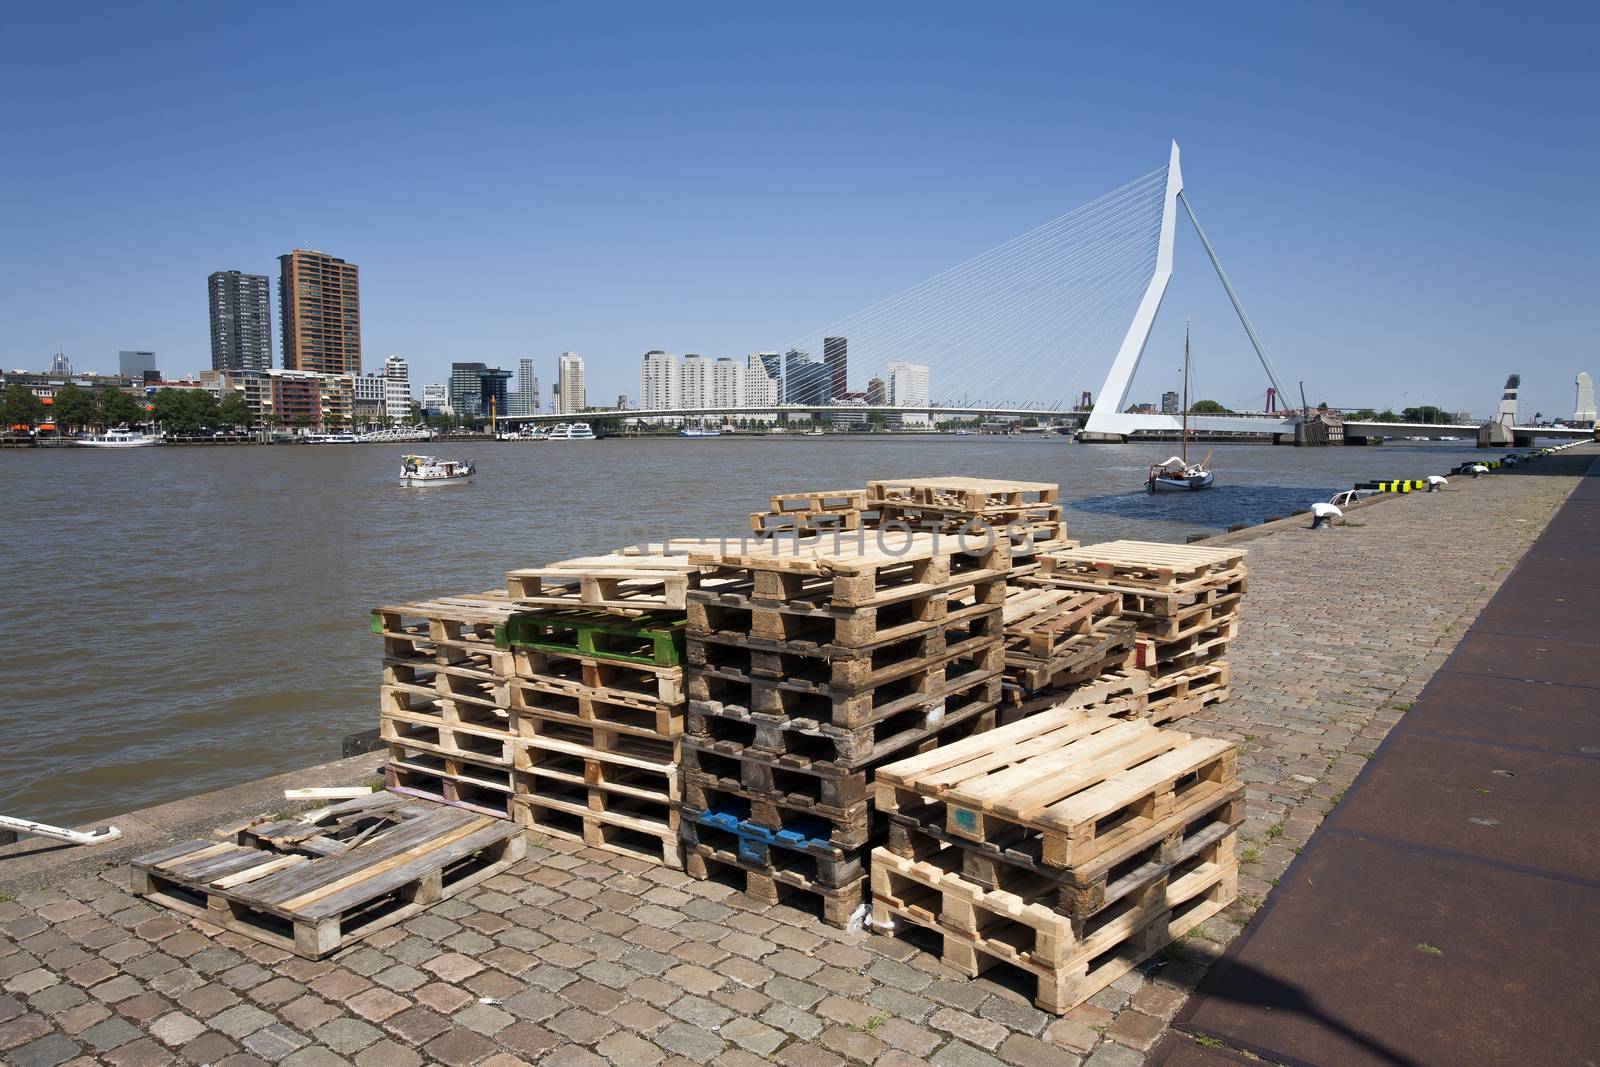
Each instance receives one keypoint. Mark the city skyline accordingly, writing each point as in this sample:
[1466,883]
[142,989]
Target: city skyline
[497,213]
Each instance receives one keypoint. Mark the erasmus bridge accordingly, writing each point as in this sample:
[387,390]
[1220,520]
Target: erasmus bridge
[1022,329]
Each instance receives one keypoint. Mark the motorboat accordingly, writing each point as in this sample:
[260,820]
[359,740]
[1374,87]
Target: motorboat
[699,431]
[418,471]
[1177,474]
[570,431]
[815,431]
[121,438]
[332,439]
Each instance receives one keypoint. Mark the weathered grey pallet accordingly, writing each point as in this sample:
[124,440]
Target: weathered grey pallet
[313,894]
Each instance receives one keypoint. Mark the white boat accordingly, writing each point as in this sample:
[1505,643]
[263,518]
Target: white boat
[699,431]
[332,439]
[815,431]
[1177,474]
[426,470]
[116,439]
[570,431]
[396,435]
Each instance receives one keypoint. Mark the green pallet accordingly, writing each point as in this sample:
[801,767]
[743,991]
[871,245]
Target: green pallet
[652,639]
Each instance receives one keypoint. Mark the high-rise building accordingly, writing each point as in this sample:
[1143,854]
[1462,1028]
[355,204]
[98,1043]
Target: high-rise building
[320,298]
[569,383]
[907,384]
[466,388]
[694,382]
[525,401]
[658,380]
[241,320]
[436,398]
[725,381]
[836,357]
[60,364]
[1169,402]
[397,393]
[369,394]
[134,364]
[493,385]
[877,392]
[1584,411]
[805,382]
[761,379]
[296,400]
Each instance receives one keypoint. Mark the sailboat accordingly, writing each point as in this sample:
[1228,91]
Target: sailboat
[1177,474]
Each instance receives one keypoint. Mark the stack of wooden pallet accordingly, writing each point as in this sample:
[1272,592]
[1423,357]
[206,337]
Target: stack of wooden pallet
[1185,601]
[597,698]
[1025,514]
[1072,845]
[810,667]
[1057,639]
[444,705]
[801,514]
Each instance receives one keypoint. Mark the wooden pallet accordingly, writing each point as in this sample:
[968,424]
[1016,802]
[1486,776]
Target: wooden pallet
[816,503]
[871,568]
[554,731]
[811,773]
[1038,619]
[368,864]
[842,907]
[1186,691]
[1079,891]
[618,582]
[1085,785]
[973,495]
[844,632]
[457,781]
[812,861]
[888,692]
[636,832]
[432,734]
[655,722]
[1156,579]
[980,928]
[654,640]
[742,810]
[804,524]
[1106,641]
[1164,655]
[643,772]
[561,672]
[965,687]
[1211,607]
[1115,690]
[449,630]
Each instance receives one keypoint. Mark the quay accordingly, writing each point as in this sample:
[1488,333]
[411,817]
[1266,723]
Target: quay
[1365,677]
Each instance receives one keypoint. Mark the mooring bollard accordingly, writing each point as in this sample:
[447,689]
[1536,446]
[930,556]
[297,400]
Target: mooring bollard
[1321,514]
[1436,483]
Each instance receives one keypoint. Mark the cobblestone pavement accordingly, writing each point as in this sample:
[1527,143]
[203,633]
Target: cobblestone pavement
[583,957]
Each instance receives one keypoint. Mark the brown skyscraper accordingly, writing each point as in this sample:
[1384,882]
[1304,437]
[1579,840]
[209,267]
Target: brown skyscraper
[835,356]
[320,298]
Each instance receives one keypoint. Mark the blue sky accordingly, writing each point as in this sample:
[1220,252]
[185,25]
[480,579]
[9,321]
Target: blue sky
[1399,191]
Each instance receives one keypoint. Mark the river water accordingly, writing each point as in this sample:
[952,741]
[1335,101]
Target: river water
[182,619]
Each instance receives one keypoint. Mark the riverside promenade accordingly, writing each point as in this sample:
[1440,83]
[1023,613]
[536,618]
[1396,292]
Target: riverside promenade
[578,956]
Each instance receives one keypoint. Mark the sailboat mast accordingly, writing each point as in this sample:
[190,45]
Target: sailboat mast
[1184,451]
